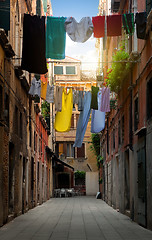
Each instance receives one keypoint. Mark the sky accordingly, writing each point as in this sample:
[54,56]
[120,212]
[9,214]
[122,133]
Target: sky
[78,9]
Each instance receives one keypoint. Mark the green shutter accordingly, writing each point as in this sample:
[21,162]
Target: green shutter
[70,70]
[5,14]
[58,70]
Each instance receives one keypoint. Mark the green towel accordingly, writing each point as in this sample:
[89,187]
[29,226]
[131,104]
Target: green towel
[94,102]
[55,38]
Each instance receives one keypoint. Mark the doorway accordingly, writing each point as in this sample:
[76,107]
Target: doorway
[11,178]
[141,155]
[63,180]
[127,181]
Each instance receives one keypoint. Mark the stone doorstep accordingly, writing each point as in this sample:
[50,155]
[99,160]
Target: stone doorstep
[127,212]
[10,217]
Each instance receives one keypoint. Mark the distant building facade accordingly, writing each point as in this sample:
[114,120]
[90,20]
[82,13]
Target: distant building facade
[67,73]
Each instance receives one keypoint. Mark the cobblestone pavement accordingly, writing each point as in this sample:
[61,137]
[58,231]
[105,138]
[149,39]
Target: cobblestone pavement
[73,219]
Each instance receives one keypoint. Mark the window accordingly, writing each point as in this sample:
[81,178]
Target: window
[136,114]
[34,141]
[39,145]
[60,148]
[123,127]
[1,101]
[113,139]
[16,120]
[119,133]
[58,70]
[6,111]
[72,121]
[24,166]
[30,132]
[70,150]
[107,137]
[77,118]
[81,151]
[70,70]
[148,5]
[21,126]
[32,173]
[149,99]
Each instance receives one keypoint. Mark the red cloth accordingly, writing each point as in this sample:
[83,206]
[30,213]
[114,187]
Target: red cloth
[99,26]
[114,25]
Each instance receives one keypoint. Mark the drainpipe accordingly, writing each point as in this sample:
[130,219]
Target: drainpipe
[135,49]
[145,183]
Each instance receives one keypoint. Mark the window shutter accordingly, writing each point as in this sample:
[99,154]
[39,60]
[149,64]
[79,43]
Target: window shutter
[72,121]
[70,70]
[5,14]
[58,70]
[81,151]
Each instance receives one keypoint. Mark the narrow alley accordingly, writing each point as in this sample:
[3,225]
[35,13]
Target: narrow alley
[74,218]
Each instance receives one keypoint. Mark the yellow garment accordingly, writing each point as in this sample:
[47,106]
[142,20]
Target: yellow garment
[43,89]
[63,118]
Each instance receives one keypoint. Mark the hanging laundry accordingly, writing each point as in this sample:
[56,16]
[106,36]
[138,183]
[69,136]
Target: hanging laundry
[75,96]
[83,120]
[105,99]
[128,23]
[79,32]
[35,88]
[97,118]
[33,54]
[50,94]
[114,25]
[97,121]
[43,88]
[58,99]
[94,102]
[99,26]
[63,118]
[141,23]
[80,101]
[55,38]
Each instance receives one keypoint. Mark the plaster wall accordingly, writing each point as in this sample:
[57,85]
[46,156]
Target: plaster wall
[92,185]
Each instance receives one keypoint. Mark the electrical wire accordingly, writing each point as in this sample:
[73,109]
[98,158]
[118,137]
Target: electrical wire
[60,62]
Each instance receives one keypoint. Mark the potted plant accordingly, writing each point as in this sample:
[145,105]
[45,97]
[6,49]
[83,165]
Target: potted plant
[120,68]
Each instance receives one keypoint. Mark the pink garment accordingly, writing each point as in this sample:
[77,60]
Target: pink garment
[105,99]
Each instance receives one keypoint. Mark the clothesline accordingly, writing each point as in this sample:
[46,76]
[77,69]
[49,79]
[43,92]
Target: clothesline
[84,62]
[7,7]
[66,98]
[51,40]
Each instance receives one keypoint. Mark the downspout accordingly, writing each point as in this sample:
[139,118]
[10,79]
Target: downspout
[145,183]
[134,49]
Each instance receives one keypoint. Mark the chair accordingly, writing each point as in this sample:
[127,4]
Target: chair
[62,192]
[56,193]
